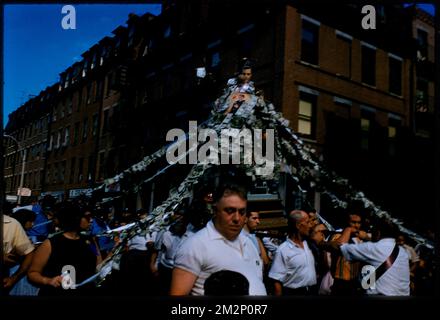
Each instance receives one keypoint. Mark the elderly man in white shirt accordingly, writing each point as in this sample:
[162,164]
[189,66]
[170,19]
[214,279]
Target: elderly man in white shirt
[395,281]
[219,246]
[293,268]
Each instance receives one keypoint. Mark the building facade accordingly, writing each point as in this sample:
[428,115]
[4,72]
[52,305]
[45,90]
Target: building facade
[356,96]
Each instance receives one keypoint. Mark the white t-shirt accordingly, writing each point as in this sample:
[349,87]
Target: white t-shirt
[395,281]
[293,266]
[208,251]
[170,243]
[138,242]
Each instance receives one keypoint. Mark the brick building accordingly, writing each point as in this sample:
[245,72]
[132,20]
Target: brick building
[350,93]
[29,125]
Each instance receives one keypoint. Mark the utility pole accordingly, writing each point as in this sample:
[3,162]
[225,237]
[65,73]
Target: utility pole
[23,165]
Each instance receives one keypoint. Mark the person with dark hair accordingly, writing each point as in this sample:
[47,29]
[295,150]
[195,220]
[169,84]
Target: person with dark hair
[252,222]
[242,83]
[346,273]
[68,248]
[293,268]
[226,283]
[389,260]
[220,245]
[25,217]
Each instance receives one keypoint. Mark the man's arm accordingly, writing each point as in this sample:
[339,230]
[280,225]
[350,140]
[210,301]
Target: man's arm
[182,282]
[9,282]
[35,273]
[278,288]
[264,255]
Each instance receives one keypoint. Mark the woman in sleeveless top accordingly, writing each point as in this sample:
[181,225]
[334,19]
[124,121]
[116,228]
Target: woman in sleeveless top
[68,251]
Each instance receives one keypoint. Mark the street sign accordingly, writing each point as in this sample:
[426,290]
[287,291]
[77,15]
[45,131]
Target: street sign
[77,192]
[24,192]
[11,198]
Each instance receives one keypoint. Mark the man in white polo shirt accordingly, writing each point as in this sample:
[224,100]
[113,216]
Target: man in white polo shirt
[219,246]
[390,262]
[293,267]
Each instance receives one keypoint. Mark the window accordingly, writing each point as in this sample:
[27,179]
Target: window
[101,168]
[72,170]
[343,57]
[95,125]
[54,114]
[93,64]
[111,80]
[306,115]
[131,36]
[80,95]
[104,53]
[422,97]
[58,142]
[76,133]
[61,85]
[309,41]
[37,179]
[61,107]
[41,177]
[368,65]
[117,46]
[167,32]
[80,169]
[105,124]
[69,105]
[215,59]
[89,93]
[394,122]
[367,117]
[56,173]
[395,75]
[49,148]
[62,170]
[66,83]
[99,85]
[365,133]
[247,42]
[85,129]
[422,44]
[66,137]
[89,168]
[85,68]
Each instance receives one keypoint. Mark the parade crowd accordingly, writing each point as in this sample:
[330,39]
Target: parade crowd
[211,246]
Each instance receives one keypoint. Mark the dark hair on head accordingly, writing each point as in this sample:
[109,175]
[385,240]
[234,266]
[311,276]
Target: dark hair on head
[69,216]
[246,63]
[141,212]
[226,282]
[356,207]
[85,209]
[230,189]
[24,215]
[198,214]
[8,207]
[385,228]
[251,207]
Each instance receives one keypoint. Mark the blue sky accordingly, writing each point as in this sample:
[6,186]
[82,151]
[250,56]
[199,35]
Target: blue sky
[37,49]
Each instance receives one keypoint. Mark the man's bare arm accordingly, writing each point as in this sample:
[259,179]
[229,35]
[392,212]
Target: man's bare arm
[182,282]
